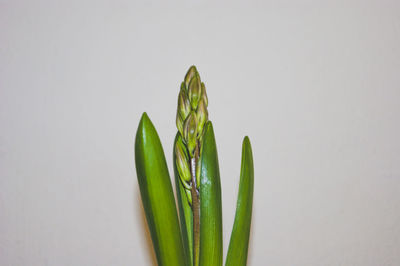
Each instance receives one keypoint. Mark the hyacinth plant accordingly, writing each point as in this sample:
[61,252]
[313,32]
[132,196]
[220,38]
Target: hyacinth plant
[195,238]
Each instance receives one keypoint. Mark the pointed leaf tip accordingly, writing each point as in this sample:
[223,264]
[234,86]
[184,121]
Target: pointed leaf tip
[157,195]
[208,126]
[144,121]
[210,202]
[239,242]
[144,117]
[246,141]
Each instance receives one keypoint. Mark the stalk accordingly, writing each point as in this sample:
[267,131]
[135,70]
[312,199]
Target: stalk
[191,117]
[196,212]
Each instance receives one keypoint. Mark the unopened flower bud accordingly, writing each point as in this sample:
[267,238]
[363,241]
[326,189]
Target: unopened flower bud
[204,94]
[190,74]
[190,132]
[194,91]
[183,87]
[183,105]
[182,162]
[179,123]
[202,116]
[189,196]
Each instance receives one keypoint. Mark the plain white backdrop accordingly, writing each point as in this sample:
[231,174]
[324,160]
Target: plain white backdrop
[316,86]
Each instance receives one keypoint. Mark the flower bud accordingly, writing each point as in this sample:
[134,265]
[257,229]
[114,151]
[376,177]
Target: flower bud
[204,94]
[179,123]
[190,132]
[183,87]
[194,91]
[182,162]
[189,196]
[183,105]
[202,116]
[190,74]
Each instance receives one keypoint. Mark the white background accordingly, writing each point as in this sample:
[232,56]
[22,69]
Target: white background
[315,85]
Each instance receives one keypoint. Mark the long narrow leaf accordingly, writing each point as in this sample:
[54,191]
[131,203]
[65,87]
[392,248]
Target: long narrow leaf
[239,243]
[210,202]
[157,195]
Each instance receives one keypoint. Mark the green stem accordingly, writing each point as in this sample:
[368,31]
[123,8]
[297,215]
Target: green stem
[196,209]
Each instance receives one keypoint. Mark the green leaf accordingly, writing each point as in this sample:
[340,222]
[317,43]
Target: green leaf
[185,212]
[210,202]
[239,243]
[157,195]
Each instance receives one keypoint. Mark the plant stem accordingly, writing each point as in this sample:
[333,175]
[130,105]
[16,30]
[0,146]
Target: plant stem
[196,209]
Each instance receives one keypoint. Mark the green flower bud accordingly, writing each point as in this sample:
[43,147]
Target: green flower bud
[182,162]
[183,105]
[190,74]
[194,91]
[202,116]
[185,184]
[189,196]
[190,132]
[204,94]
[183,87]
[179,123]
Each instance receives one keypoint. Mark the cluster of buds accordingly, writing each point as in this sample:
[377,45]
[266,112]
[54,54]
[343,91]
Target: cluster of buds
[191,117]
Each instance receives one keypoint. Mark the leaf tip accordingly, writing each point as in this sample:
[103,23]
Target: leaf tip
[145,127]
[246,141]
[208,126]
[144,119]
